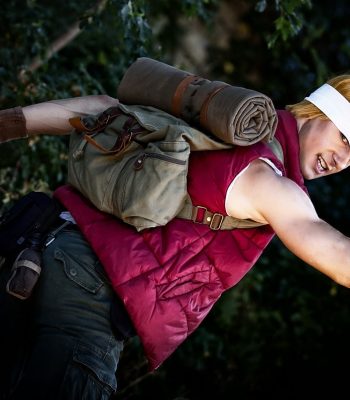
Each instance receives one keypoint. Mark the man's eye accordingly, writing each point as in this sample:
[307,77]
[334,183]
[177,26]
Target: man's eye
[344,139]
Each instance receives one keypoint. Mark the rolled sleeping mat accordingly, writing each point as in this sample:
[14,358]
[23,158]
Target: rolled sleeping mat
[234,114]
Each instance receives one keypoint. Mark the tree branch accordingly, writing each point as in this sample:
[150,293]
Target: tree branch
[68,36]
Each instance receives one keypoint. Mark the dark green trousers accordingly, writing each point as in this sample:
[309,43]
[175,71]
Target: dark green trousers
[59,344]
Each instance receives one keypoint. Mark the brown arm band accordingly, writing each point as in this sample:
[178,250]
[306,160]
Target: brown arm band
[12,124]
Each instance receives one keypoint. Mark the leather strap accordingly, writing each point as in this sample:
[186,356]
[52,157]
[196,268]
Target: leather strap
[129,129]
[99,123]
[179,92]
[215,221]
[204,109]
[77,124]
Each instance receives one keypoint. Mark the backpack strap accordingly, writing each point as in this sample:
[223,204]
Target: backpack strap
[276,148]
[217,221]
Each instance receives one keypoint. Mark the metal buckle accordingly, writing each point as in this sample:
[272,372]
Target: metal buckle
[211,225]
[195,210]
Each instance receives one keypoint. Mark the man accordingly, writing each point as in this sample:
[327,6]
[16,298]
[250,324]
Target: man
[168,278]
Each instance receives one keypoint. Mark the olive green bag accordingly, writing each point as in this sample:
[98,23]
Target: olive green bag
[132,162]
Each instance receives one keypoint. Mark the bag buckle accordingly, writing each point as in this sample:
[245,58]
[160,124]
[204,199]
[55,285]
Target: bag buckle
[216,221]
[195,210]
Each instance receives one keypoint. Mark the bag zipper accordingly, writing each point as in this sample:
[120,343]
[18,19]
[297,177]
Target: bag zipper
[138,164]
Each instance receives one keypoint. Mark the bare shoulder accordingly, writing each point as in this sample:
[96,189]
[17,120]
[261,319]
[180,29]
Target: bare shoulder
[262,195]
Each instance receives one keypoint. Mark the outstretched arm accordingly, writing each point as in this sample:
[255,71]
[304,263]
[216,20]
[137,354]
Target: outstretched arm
[262,195]
[49,117]
[52,117]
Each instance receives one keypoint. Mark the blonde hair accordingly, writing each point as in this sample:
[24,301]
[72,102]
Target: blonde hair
[305,109]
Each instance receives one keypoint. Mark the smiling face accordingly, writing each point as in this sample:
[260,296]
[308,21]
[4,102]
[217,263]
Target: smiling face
[324,150]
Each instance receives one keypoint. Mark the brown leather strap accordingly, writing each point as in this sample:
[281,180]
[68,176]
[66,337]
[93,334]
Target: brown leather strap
[106,117]
[76,124]
[205,105]
[179,92]
[129,129]
[93,142]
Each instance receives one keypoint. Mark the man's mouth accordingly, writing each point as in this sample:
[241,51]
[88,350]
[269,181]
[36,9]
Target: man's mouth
[321,165]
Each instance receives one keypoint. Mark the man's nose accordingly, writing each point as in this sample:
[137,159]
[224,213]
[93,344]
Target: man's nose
[342,159]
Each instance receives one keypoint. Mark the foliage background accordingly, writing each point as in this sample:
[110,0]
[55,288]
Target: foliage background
[283,331]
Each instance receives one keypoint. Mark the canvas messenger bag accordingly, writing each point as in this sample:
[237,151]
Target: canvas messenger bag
[132,162]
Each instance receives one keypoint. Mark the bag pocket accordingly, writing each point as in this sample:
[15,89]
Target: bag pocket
[91,171]
[152,188]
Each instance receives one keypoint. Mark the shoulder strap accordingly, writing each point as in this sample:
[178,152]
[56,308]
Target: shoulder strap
[217,221]
[276,148]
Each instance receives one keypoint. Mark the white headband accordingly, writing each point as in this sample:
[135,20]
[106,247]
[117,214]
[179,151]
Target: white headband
[334,105]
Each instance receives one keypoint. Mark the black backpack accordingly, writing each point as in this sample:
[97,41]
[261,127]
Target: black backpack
[25,229]
[30,218]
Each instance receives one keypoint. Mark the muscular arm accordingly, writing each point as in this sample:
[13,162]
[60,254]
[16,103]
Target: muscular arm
[262,195]
[51,117]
